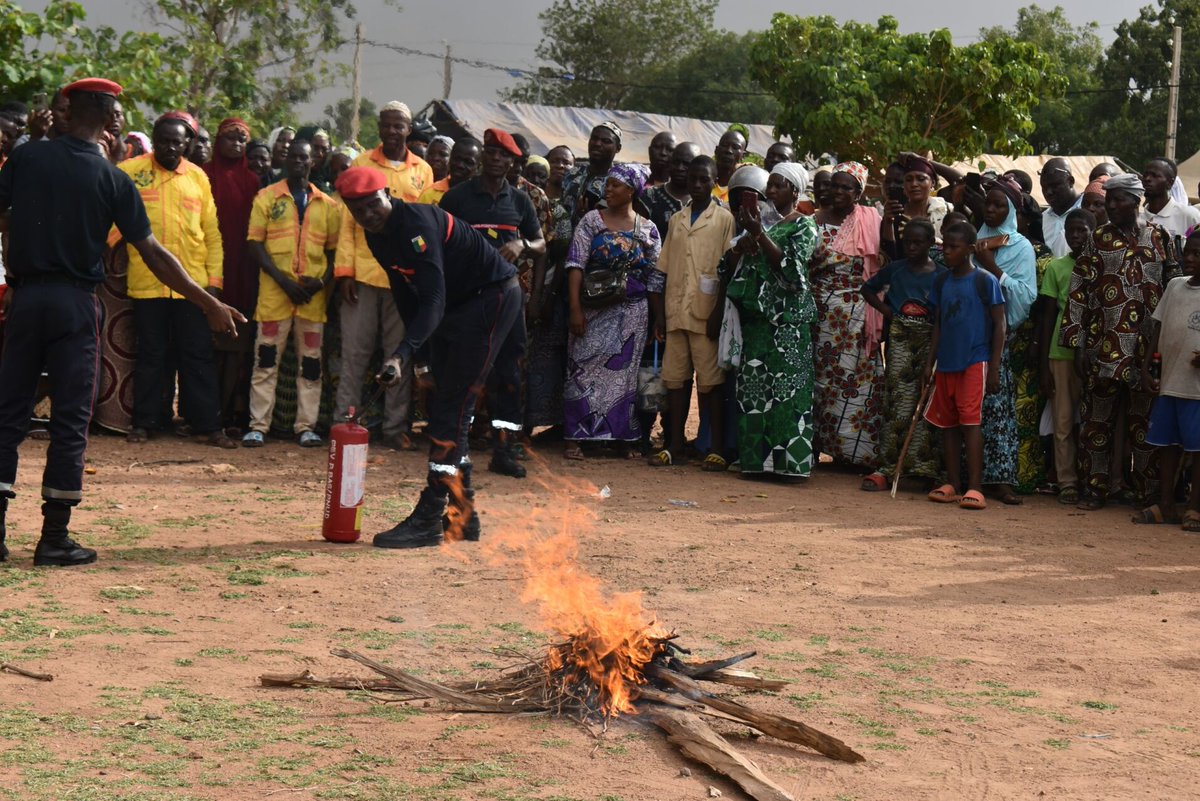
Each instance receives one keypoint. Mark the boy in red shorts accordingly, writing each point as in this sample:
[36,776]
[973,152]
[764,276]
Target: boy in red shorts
[1175,416]
[968,338]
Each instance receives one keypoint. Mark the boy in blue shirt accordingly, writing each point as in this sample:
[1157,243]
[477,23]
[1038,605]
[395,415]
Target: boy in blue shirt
[968,338]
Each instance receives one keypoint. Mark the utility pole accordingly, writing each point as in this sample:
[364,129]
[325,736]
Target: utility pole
[356,92]
[447,72]
[1173,97]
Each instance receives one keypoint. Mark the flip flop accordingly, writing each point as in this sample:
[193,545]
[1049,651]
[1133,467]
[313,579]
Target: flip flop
[1089,502]
[973,500]
[944,494]
[1068,496]
[874,483]
[1153,516]
[1191,522]
[574,454]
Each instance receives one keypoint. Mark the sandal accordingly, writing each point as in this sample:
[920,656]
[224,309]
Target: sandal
[874,483]
[660,459]
[1007,497]
[714,463]
[1153,516]
[1089,502]
[574,453]
[944,494]
[137,436]
[253,439]
[973,499]
[1068,496]
[1191,521]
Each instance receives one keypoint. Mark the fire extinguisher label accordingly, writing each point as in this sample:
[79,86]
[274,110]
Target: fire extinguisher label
[354,469]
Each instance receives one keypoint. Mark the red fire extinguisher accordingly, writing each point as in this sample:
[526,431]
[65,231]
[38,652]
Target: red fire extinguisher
[344,481]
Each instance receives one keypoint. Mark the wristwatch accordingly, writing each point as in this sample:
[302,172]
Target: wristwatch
[524,244]
[421,369]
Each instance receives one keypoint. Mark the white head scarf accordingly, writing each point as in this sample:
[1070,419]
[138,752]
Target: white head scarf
[794,174]
[1178,193]
[1126,182]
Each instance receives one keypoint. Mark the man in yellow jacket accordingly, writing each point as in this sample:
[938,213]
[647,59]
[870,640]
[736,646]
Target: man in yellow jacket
[369,318]
[293,233]
[183,217]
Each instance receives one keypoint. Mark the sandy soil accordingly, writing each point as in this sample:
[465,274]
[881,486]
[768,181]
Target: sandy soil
[1029,652]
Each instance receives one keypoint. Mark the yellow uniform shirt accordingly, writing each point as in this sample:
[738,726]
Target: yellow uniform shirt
[690,254]
[406,180]
[433,194]
[297,248]
[183,218]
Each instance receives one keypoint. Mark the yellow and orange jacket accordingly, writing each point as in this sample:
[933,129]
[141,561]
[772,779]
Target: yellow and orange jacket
[183,218]
[297,248]
[433,193]
[405,181]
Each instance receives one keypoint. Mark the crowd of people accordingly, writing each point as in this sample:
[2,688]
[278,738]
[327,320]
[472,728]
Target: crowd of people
[921,324]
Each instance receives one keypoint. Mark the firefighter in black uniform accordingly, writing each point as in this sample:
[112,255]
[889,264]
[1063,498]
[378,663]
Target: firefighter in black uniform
[506,217]
[58,201]
[459,299]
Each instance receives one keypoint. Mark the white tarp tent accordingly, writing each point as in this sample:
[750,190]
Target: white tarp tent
[1081,167]
[1189,173]
[548,126]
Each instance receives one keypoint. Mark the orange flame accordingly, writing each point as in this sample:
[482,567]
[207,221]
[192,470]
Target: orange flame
[610,638]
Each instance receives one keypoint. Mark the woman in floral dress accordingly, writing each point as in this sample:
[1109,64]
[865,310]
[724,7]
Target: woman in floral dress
[848,395]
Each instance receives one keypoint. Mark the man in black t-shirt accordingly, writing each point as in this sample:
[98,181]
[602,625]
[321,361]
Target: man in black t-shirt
[58,201]
[459,299]
[508,221]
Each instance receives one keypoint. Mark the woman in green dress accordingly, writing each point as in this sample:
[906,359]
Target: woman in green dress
[769,287]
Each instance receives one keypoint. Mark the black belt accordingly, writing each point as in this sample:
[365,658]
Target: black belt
[18,281]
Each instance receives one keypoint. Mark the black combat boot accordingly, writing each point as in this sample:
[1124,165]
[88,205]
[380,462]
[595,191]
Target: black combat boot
[471,528]
[504,456]
[3,530]
[420,529]
[56,548]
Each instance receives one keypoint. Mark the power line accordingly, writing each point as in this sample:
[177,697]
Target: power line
[567,77]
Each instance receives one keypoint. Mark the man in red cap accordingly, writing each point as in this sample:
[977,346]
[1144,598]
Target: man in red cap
[458,298]
[58,200]
[507,219]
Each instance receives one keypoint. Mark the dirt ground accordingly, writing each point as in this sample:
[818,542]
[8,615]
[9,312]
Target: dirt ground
[1017,653]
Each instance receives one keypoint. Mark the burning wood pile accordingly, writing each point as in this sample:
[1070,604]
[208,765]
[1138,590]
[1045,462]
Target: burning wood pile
[650,678]
[610,659]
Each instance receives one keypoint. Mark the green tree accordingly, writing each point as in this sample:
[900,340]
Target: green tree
[42,52]
[712,81]
[608,47]
[253,58]
[1132,123]
[1063,124]
[337,121]
[867,92]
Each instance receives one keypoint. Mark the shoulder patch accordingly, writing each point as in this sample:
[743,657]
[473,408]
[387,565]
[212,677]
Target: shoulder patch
[419,245]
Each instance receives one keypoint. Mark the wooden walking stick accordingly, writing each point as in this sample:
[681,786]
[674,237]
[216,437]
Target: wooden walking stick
[918,413]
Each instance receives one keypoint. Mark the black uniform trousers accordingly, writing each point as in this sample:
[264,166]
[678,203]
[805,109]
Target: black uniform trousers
[504,395]
[462,352]
[54,326]
[167,326]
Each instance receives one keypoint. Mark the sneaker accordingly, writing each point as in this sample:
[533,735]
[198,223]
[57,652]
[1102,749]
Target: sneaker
[64,552]
[253,439]
[310,439]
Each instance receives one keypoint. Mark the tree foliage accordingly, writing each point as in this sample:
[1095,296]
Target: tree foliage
[338,116]
[256,58]
[42,52]
[1062,124]
[868,92]
[609,47]
[252,58]
[1133,124]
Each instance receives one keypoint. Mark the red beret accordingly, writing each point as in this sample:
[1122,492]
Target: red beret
[494,137]
[360,182]
[98,85]
[182,116]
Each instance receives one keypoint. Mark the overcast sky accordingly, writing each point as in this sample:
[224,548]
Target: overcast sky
[506,34]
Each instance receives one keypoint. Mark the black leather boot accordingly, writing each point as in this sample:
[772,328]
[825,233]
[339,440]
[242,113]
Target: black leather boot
[471,527]
[504,459]
[56,548]
[420,529]
[3,530]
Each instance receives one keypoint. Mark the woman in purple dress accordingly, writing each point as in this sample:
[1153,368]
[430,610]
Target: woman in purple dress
[606,341]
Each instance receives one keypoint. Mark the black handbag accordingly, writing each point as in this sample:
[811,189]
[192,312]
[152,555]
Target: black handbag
[607,287]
